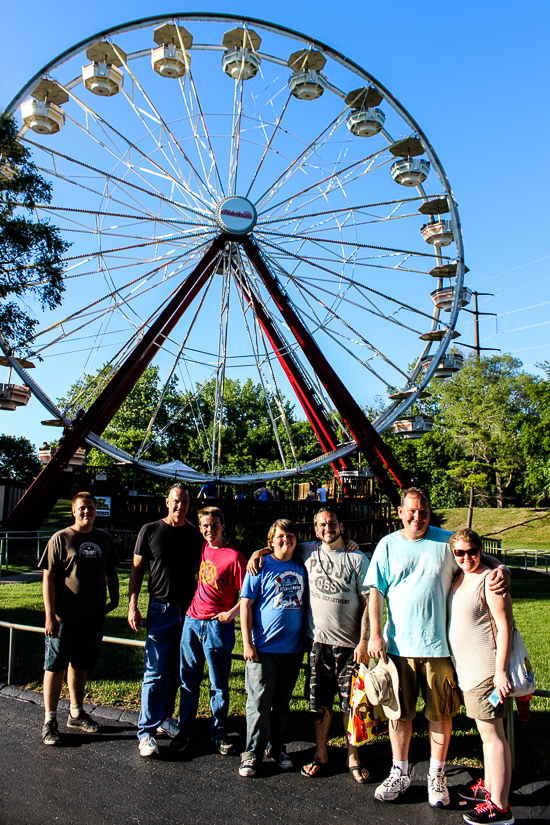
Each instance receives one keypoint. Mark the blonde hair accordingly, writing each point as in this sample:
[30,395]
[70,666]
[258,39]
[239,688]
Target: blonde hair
[466,535]
[215,512]
[284,524]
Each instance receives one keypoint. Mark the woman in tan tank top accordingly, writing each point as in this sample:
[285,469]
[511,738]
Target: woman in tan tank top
[480,639]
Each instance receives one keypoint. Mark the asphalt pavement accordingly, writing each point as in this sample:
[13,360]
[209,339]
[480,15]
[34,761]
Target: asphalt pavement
[102,780]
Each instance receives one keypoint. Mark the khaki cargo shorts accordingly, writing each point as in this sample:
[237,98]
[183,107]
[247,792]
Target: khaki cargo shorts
[435,678]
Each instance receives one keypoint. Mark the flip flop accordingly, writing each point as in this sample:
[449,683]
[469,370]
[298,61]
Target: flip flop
[357,773]
[321,766]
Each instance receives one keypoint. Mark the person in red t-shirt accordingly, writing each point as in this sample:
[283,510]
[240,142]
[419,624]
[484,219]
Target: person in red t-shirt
[209,632]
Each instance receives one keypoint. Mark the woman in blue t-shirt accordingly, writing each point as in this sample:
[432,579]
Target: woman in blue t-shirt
[272,613]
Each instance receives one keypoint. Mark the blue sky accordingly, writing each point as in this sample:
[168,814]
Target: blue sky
[474,75]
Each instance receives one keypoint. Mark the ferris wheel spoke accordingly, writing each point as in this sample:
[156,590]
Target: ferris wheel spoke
[287,236]
[268,146]
[96,213]
[363,286]
[235,135]
[323,326]
[344,209]
[124,183]
[190,105]
[147,441]
[159,116]
[363,341]
[112,294]
[146,215]
[295,371]
[253,340]
[335,180]
[296,163]
[123,157]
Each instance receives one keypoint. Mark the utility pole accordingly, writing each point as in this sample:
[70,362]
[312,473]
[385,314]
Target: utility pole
[476,313]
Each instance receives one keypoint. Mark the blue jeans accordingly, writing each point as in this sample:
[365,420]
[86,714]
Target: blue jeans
[212,641]
[269,685]
[160,675]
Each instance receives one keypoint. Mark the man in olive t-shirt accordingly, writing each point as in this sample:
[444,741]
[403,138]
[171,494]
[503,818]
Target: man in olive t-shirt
[79,565]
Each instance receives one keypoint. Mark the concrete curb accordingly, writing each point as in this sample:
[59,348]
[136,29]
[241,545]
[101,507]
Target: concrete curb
[101,711]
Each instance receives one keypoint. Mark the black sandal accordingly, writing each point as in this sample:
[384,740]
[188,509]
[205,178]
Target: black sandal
[321,766]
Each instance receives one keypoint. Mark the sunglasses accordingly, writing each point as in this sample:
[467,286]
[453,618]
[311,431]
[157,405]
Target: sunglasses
[474,551]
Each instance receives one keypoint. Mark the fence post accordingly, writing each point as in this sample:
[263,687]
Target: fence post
[11,654]
[525,554]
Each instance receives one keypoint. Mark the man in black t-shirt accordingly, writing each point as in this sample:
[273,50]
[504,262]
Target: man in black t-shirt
[171,549]
[79,565]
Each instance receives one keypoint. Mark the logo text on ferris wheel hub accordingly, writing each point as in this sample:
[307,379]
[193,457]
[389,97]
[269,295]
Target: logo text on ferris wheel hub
[235,215]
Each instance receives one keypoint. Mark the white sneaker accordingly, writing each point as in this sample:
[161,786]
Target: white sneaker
[169,727]
[247,766]
[395,784]
[148,746]
[438,793]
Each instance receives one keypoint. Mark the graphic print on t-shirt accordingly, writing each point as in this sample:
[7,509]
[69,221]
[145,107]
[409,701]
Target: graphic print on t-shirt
[327,580]
[208,573]
[89,550]
[289,591]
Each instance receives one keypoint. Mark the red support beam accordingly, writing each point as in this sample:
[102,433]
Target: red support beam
[37,502]
[321,423]
[377,453]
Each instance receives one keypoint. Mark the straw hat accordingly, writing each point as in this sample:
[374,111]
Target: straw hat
[382,687]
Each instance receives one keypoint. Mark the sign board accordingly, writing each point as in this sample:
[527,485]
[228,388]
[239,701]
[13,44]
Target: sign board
[101,475]
[103,505]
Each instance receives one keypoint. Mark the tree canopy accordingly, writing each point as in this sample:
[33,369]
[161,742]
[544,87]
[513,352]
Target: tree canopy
[490,442]
[18,458]
[178,425]
[30,249]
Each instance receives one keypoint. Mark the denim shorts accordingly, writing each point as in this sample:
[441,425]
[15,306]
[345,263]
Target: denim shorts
[77,644]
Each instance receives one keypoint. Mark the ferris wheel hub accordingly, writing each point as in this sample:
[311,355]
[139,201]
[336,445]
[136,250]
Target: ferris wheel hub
[236,215]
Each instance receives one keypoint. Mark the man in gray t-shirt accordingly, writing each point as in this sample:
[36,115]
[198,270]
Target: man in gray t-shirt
[337,628]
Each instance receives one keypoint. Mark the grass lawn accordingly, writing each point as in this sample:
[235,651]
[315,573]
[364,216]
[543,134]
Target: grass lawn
[518,527]
[117,679]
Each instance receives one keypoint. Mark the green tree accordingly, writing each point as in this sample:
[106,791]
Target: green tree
[18,458]
[179,425]
[129,426]
[30,250]
[535,440]
[483,408]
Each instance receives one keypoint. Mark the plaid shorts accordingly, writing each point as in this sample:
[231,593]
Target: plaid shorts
[330,669]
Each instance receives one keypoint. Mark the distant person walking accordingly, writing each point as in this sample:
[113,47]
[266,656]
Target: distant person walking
[79,565]
[321,493]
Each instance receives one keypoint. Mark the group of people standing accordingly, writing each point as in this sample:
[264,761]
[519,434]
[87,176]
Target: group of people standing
[322,597]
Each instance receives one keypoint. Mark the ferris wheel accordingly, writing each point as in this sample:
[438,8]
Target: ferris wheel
[241,200]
